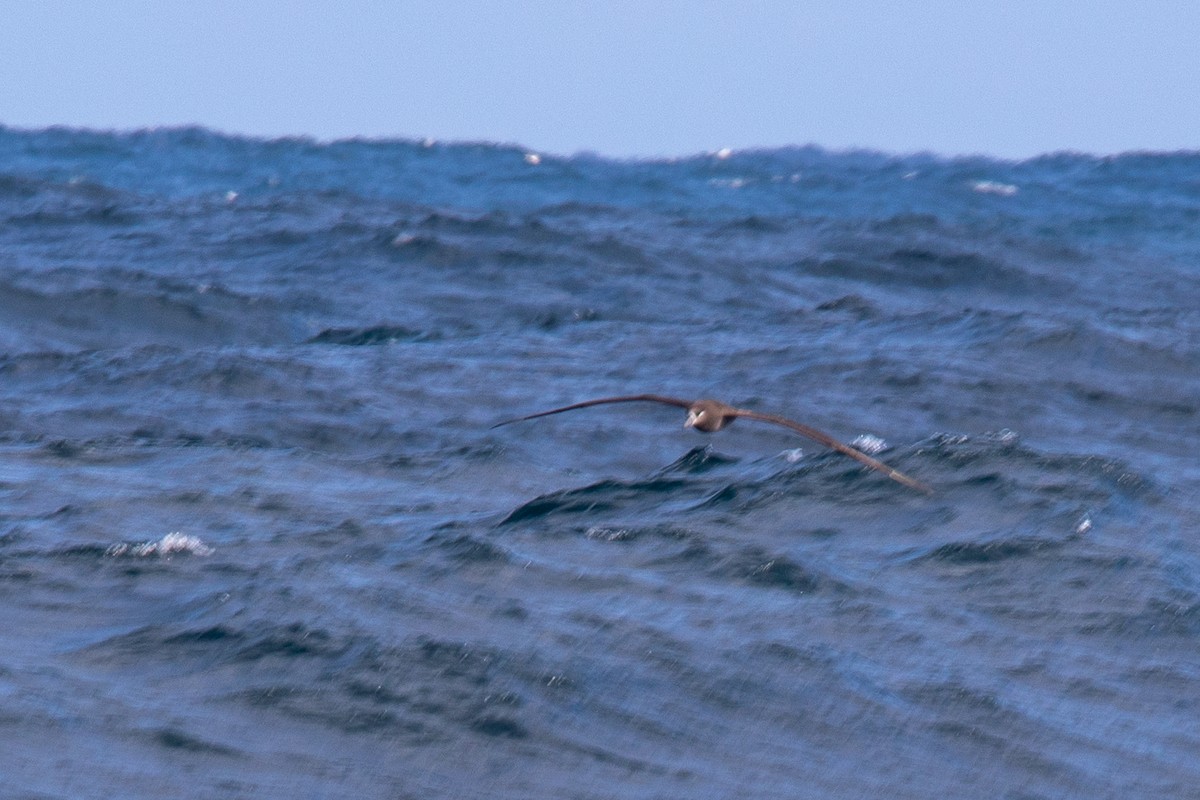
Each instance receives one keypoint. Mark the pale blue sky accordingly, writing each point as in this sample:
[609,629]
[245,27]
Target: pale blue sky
[623,78]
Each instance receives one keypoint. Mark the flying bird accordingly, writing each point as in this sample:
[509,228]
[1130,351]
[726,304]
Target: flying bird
[710,416]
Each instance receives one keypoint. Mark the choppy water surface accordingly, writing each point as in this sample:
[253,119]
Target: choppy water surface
[258,539]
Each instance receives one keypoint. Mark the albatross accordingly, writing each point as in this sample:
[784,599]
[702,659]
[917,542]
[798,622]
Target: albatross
[710,416]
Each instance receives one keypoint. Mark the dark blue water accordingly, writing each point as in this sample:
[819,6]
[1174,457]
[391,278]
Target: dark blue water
[258,539]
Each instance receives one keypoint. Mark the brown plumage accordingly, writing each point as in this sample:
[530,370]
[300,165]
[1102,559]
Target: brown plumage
[710,416]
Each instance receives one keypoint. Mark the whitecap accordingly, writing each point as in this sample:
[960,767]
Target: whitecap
[793,455]
[869,444]
[994,187]
[167,546]
[607,534]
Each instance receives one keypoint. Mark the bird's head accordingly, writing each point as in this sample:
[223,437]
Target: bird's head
[708,416]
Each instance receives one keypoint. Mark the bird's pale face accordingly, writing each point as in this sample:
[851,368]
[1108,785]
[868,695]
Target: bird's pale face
[707,416]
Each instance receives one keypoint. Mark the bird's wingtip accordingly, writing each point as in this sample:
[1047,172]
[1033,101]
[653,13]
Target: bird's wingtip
[911,483]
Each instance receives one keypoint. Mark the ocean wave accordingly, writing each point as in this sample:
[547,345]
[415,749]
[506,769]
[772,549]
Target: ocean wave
[290,352]
[373,335]
[107,317]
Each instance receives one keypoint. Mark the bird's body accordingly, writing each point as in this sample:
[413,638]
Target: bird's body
[710,416]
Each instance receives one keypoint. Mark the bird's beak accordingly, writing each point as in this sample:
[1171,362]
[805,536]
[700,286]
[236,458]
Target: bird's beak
[690,422]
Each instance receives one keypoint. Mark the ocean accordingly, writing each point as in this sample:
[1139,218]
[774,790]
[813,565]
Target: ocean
[259,538]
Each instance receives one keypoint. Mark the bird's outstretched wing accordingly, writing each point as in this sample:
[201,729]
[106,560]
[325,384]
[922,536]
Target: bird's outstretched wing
[841,447]
[628,398]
